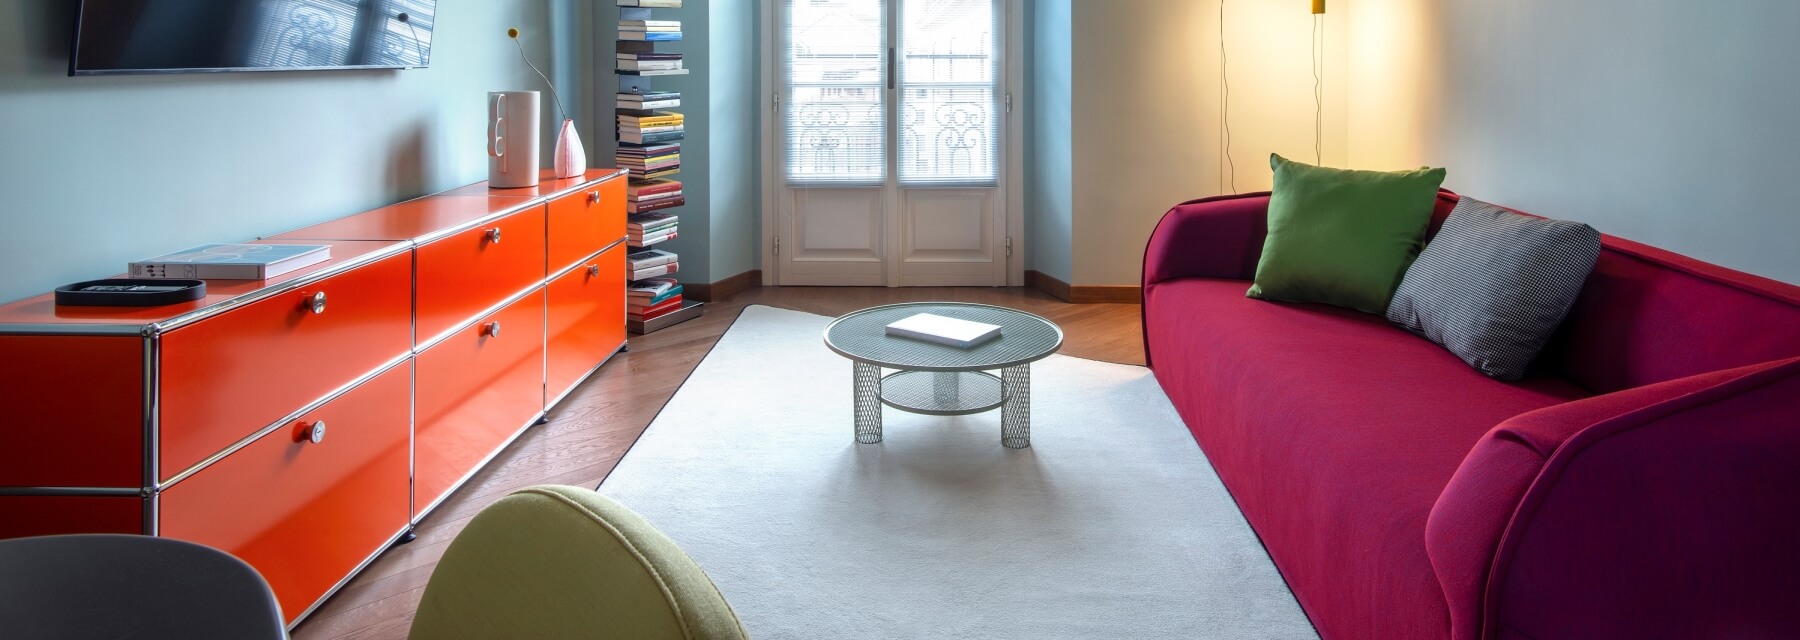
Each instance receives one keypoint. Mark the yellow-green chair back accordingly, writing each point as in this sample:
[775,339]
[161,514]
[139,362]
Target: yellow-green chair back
[564,562]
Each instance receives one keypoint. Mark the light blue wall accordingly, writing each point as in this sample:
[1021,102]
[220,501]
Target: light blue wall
[1667,122]
[735,180]
[99,171]
[1049,144]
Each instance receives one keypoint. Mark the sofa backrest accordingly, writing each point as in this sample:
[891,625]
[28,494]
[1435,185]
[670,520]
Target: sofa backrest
[1647,315]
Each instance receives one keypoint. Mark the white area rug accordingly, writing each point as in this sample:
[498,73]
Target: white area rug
[1112,525]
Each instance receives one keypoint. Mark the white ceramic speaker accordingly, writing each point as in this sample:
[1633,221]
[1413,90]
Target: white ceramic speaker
[512,139]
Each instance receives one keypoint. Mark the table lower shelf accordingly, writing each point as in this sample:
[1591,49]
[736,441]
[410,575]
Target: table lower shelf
[942,393]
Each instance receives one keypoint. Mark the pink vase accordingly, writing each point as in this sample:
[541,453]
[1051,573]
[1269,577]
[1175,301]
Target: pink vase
[571,158]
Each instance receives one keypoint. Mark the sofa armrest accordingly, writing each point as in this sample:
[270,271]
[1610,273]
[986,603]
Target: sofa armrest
[1669,510]
[1219,237]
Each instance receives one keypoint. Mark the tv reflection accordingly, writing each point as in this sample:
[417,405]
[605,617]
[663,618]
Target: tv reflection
[203,34]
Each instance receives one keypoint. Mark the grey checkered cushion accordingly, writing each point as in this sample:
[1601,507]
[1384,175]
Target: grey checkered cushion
[1493,285]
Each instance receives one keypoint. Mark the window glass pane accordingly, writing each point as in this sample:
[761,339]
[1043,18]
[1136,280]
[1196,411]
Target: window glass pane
[949,61]
[836,73]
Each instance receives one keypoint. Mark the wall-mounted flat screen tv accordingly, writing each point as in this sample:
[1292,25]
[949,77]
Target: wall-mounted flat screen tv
[182,36]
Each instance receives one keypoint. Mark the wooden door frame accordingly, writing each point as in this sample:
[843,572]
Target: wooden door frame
[1012,154]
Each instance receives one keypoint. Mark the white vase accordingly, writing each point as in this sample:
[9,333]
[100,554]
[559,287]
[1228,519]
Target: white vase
[512,139]
[571,159]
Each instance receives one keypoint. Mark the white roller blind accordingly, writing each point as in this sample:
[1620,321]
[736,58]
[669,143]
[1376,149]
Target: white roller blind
[948,93]
[836,74]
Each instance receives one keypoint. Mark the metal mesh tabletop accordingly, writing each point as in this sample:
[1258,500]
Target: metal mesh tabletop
[862,336]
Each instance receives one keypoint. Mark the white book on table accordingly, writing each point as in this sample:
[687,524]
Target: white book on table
[931,327]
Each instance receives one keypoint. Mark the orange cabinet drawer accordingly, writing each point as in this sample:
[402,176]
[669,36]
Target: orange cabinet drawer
[306,513]
[475,390]
[583,222]
[26,516]
[464,274]
[227,376]
[585,316]
[76,415]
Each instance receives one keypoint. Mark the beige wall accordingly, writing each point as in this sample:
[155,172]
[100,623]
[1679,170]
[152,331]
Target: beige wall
[1146,112]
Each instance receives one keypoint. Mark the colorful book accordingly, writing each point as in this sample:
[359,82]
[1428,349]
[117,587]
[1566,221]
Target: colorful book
[658,270]
[648,94]
[649,150]
[641,306]
[649,258]
[661,118]
[651,221]
[654,173]
[648,65]
[653,55]
[659,309]
[639,137]
[645,107]
[651,72]
[634,240]
[651,288]
[651,4]
[646,187]
[651,36]
[649,23]
[654,205]
[633,46]
[653,197]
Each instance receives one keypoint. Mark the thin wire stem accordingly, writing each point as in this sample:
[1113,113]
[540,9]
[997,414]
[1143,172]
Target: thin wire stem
[547,82]
[1225,106]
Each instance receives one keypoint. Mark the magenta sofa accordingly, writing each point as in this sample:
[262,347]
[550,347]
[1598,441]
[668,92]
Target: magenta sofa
[1644,482]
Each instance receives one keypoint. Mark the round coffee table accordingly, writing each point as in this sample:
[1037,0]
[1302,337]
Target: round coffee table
[943,380]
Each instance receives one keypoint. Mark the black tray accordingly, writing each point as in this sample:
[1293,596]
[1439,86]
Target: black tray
[124,296]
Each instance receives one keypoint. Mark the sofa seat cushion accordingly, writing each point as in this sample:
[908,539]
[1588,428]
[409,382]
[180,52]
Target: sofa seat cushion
[1335,432]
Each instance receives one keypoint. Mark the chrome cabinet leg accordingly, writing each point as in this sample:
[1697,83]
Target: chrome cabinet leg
[1015,412]
[867,382]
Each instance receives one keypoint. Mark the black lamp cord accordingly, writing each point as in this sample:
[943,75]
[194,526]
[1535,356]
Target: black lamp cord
[1318,68]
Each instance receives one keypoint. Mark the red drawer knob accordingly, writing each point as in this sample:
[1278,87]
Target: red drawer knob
[313,432]
[491,329]
[493,235]
[315,303]
[593,197]
[593,270]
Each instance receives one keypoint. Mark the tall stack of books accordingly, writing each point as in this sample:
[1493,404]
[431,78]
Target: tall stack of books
[650,137]
[646,229]
[652,298]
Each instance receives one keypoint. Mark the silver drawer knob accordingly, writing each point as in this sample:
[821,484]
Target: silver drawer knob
[593,197]
[493,235]
[491,329]
[315,303]
[593,270]
[313,432]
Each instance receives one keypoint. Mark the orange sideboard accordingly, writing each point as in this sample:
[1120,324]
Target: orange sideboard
[306,422]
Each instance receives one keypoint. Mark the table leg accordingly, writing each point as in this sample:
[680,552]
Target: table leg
[866,379]
[1015,413]
[946,387]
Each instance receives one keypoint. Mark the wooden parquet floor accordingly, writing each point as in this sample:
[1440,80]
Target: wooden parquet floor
[591,429]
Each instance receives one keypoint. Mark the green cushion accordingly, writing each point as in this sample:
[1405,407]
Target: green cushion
[1342,236]
[564,562]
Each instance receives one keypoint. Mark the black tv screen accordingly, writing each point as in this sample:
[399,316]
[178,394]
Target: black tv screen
[173,36]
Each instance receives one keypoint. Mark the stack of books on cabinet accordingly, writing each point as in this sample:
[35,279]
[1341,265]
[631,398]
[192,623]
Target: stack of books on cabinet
[650,135]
